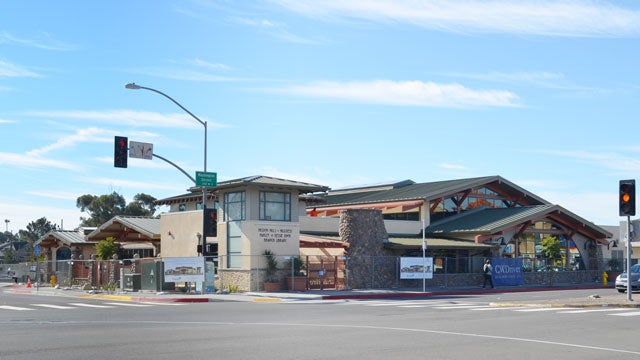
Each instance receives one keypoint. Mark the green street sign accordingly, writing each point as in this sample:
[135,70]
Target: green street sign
[208,179]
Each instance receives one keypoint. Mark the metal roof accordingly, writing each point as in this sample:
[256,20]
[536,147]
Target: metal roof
[271,181]
[430,191]
[438,243]
[147,226]
[68,237]
[492,220]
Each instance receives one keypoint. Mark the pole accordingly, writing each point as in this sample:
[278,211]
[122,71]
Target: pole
[629,297]
[134,86]
[424,248]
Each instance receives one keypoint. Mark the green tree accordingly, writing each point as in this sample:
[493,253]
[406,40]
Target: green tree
[551,247]
[36,229]
[106,248]
[104,207]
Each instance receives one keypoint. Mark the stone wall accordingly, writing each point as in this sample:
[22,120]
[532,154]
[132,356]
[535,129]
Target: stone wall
[370,264]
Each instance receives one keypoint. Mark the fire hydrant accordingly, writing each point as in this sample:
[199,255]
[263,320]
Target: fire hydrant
[605,276]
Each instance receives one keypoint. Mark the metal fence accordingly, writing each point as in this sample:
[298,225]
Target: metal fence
[317,273]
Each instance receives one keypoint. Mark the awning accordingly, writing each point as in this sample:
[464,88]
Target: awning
[435,243]
[137,246]
[399,206]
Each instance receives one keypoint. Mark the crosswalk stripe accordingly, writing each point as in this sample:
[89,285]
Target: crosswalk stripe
[127,304]
[582,311]
[634,313]
[92,305]
[493,308]
[469,307]
[8,307]
[542,309]
[52,306]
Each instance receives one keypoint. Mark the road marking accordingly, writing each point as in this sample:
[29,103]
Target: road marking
[52,306]
[542,309]
[163,303]
[581,311]
[127,304]
[7,307]
[92,306]
[493,308]
[634,313]
[468,307]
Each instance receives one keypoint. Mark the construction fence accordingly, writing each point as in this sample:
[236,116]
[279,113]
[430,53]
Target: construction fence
[295,273]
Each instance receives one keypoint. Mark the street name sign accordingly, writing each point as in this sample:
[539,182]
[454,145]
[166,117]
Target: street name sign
[207,179]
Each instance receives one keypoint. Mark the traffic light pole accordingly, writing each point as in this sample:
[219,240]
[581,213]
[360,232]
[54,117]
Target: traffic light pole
[629,297]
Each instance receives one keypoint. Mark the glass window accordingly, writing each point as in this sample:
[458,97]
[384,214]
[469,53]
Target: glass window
[234,206]
[182,207]
[275,206]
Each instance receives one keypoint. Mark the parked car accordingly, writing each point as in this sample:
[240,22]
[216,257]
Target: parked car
[621,280]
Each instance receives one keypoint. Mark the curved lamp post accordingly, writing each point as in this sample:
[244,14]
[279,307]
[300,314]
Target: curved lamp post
[134,86]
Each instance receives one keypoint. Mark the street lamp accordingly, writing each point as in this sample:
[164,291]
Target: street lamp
[6,222]
[134,86]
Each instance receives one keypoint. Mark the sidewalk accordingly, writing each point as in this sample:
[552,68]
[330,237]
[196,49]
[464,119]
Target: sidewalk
[603,295]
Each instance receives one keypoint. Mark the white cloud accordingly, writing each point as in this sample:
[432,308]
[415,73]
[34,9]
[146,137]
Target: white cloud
[546,18]
[8,69]
[127,184]
[405,93]
[31,161]
[452,166]
[599,208]
[20,215]
[127,117]
[45,41]
[55,195]
[81,135]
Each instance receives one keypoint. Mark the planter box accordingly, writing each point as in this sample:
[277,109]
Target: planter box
[299,283]
[272,286]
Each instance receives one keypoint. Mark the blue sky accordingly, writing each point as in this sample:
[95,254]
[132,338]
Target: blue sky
[336,93]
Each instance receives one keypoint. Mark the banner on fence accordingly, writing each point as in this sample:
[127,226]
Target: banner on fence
[507,271]
[416,268]
[186,269]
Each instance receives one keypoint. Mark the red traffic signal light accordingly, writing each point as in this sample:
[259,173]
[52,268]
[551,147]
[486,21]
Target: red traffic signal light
[627,197]
[120,151]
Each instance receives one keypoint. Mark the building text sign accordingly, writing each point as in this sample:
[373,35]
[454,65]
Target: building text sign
[275,234]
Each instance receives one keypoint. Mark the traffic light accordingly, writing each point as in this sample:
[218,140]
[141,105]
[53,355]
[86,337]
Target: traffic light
[120,152]
[211,222]
[627,197]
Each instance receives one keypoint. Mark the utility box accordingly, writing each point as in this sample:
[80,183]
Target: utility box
[132,282]
[153,277]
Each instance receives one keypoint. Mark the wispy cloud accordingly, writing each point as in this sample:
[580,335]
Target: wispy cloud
[404,93]
[546,18]
[30,161]
[452,166]
[8,69]
[3,121]
[275,29]
[44,41]
[128,184]
[55,195]
[80,136]
[617,162]
[133,118]
[543,79]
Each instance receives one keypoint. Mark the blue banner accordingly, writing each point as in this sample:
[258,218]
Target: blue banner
[507,271]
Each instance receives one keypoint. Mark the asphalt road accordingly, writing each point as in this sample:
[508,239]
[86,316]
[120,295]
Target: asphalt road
[461,327]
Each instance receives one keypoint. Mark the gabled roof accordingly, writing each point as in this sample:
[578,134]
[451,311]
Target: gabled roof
[431,191]
[128,228]
[486,221]
[67,237]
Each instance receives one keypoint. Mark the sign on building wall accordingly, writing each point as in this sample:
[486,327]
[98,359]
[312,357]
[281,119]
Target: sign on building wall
[416,268]
[507,271]
[185,269]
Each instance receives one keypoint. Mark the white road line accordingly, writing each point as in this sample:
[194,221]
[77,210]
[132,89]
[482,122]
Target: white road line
[127,304]
[164,303]
[542,309]
[634,313]
[467,307]
[52,306]
[92,305]
[16,308]
[494,308]
[582,311]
